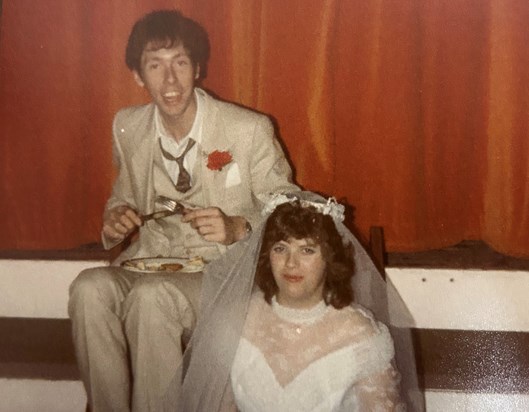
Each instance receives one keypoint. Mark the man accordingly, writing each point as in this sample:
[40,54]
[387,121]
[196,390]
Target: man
[215,158]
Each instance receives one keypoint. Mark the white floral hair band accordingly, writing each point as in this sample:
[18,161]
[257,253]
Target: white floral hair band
[330,207]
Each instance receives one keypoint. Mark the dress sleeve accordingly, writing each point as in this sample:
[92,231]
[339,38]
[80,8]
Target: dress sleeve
[377,393]
[377,387]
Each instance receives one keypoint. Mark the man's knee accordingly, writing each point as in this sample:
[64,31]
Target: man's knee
[149,291]
[159,295]
[93,287]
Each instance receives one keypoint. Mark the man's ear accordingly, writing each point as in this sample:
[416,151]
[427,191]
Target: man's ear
[138,78]
[197,71]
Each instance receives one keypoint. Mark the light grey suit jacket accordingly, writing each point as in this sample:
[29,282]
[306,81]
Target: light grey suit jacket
[247,135]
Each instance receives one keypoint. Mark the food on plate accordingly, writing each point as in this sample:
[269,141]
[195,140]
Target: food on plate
[196,261]
[171,267]
[194,264]
[134,264]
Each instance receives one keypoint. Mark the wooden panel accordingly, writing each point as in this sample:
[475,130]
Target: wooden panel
[377,248]
[465,255]
[92,251]
[37,349]
[447,360]
[472,361]
[469,254]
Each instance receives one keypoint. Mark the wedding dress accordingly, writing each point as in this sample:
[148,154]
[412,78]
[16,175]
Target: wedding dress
[319,360]
[201,381]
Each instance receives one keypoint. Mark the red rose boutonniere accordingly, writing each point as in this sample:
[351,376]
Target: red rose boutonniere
[217,160]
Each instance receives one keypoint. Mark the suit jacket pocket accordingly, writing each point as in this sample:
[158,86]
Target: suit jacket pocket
[233,176]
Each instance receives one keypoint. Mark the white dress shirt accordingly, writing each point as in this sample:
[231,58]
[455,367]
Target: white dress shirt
[170,145]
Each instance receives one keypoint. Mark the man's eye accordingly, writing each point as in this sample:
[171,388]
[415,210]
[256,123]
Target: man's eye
[182,62]
[278,249]
[153,66]
[309,250]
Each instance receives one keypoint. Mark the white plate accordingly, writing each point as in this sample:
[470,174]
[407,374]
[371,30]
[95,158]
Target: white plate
[154,265]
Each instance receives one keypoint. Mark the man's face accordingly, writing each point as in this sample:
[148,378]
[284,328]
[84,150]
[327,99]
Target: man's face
[169,76]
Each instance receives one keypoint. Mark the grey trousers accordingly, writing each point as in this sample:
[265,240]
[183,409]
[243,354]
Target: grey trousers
[127,330]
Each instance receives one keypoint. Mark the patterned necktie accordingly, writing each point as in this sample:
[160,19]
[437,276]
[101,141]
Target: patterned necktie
[183,183]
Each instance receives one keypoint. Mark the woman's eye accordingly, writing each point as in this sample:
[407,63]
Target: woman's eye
[153,66]
[278,249]
[309,250]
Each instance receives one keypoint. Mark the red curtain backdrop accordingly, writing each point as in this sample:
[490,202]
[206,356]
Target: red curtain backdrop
[415,113]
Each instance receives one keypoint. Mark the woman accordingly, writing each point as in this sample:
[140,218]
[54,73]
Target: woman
[304,347]
[338,344]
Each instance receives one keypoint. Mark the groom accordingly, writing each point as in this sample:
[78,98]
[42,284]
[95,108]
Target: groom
[214,157]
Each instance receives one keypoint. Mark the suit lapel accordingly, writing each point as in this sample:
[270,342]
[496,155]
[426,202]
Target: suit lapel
[143,159]
[214,137]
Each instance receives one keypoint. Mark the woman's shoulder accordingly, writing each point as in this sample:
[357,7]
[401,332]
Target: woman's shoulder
[365,339]
[360,323]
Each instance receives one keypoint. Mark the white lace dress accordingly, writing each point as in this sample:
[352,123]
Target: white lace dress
[321,359]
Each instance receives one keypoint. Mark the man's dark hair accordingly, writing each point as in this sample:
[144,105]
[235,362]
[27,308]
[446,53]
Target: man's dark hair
[166,29]
[291,220]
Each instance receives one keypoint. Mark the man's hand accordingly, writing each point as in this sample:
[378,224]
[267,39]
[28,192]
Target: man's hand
[119,222]
[215,226]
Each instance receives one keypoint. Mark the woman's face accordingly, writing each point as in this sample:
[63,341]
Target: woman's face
[299,271]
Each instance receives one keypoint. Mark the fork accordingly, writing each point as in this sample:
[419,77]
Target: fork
[169,204]
[172,207]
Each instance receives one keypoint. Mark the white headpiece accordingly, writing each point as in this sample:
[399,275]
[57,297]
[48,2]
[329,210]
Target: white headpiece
[330,207]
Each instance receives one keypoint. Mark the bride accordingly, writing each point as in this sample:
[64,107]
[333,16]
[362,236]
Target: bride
[295,341]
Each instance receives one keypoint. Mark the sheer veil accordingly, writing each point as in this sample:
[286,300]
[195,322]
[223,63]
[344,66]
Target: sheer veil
[201,379]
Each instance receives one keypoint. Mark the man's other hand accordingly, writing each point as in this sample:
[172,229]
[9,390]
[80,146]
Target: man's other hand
[119,222]
[215,226]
